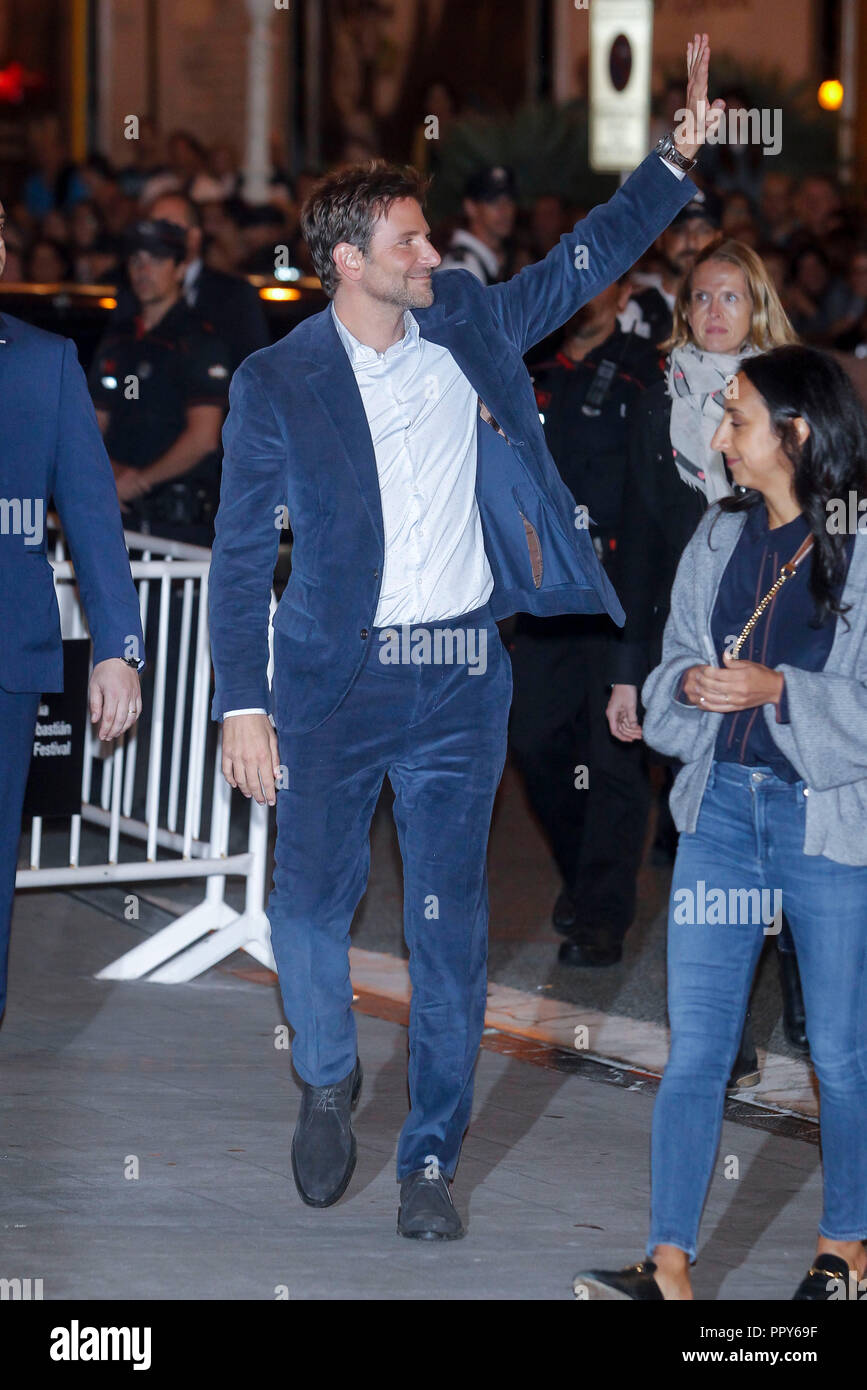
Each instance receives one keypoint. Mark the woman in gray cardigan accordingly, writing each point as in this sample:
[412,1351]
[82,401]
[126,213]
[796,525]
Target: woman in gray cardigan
[762,695]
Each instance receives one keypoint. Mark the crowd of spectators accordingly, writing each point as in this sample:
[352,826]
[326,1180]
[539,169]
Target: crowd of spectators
[68,222]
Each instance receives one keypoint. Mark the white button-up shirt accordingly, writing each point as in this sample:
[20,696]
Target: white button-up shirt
[423,415]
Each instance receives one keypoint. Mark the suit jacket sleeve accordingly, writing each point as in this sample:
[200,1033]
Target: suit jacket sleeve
[247,526]
[86,500]
[598,249]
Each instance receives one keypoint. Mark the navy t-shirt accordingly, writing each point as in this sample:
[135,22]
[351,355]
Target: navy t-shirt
[785,632]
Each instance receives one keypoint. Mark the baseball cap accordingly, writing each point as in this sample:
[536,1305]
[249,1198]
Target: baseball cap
[485,185]
[158,236]
[705,206]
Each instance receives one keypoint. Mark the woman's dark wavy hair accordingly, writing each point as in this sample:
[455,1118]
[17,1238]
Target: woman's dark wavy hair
[832,462]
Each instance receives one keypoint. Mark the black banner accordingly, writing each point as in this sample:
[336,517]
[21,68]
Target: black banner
[57,762]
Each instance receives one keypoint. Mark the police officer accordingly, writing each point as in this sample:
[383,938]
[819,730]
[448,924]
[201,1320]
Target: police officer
[159,381]
[490,208]
[651,308]
[590,792]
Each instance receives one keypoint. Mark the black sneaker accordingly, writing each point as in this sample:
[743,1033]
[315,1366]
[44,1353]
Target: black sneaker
[323,1145]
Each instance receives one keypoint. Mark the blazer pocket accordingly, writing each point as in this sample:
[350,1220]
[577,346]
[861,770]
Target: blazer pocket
[293,622]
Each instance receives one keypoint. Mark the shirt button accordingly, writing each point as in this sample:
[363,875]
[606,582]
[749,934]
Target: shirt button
[364,634]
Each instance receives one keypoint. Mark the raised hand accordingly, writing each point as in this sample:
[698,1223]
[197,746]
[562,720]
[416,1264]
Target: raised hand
[689,133]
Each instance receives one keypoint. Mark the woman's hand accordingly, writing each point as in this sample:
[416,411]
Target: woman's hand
[622,713]
[740,685]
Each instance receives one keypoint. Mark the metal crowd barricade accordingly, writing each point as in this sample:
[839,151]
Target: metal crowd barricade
[172,841]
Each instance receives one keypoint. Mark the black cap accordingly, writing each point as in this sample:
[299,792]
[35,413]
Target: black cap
[486,185]
[704,206]
[158,236]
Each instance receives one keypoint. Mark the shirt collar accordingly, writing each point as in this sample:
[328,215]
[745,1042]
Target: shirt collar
[362,355]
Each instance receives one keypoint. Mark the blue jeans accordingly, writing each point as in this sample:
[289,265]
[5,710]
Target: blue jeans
[438,731]
[750,836]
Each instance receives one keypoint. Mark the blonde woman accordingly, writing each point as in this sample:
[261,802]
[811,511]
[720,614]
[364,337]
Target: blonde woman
[727,310]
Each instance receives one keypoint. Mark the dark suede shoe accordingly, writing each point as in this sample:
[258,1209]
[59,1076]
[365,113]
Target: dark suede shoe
[827,1280]
[636,1282]
[323,1145]
[426,1210]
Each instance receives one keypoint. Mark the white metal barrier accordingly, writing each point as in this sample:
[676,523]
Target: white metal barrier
[172,842]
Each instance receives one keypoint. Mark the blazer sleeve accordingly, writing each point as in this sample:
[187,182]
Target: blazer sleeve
[247,526]
[675,727]
[601,247]
[86,500]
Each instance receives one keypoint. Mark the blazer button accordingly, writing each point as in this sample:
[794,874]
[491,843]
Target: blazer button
[364,634]
[376,574]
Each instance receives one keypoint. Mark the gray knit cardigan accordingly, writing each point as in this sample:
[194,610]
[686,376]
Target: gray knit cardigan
[826,737]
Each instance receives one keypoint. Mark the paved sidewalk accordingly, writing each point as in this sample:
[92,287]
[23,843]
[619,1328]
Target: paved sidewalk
[185,1082]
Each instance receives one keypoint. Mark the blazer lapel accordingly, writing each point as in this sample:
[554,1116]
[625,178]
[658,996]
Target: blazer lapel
[333,382]
[472,351]
[7,363]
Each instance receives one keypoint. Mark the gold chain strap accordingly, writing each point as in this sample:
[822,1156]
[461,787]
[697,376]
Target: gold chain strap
[786,572]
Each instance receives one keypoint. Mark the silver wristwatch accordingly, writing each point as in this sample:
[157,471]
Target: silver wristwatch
[667,149]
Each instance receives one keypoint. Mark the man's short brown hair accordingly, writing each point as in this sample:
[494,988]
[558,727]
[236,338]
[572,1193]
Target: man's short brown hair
[344,206]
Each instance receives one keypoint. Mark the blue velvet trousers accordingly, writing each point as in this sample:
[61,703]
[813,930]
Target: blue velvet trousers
[437,730]
[17,724]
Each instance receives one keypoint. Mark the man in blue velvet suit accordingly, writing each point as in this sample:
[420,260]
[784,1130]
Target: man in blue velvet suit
[399,433]
[51,448]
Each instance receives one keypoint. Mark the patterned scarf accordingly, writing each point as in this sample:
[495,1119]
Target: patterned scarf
[696,381]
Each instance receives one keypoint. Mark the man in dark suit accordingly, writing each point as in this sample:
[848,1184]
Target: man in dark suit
[50,447]
[398,433]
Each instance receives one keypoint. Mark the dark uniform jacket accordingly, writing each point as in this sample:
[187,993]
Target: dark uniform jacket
[178,363]
[660,517]
[585,408]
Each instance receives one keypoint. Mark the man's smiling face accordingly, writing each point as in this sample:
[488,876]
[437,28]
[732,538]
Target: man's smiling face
[400,260]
